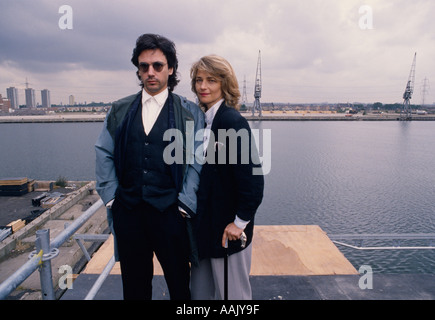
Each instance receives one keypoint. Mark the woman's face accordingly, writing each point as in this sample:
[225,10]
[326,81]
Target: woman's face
[208,88]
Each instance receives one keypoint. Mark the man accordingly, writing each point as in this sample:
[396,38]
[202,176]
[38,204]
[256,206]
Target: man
[147,198]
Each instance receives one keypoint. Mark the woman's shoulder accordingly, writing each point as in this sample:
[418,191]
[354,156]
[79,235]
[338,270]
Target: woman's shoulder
[232,118]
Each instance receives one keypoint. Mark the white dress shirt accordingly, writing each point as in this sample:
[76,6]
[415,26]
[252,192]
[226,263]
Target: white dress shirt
[151,107]
[209,117]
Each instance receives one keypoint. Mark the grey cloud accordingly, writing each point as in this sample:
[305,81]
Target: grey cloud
[313,41]
[33,39]
[103,35]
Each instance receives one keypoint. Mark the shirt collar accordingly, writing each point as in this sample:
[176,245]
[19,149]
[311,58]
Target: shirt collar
[159,98]
[210,113]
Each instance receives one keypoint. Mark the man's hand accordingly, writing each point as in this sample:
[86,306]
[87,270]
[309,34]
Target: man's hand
[231,232]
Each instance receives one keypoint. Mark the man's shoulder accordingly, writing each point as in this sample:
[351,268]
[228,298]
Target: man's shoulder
[118,111]
[120,107]
[188,105]
[126,101]
[184,101]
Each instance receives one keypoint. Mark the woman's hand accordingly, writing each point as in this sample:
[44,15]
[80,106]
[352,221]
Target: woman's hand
[231,232]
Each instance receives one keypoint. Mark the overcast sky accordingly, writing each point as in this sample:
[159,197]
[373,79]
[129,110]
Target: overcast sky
[311,50]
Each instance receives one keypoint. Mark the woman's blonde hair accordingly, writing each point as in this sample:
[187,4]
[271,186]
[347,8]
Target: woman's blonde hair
[221,69]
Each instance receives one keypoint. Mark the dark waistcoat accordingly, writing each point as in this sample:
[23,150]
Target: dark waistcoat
[146,176]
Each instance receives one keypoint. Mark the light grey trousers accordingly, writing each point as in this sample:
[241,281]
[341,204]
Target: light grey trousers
[207,280]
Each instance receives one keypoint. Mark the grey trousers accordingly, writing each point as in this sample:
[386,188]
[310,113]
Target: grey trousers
[207,280]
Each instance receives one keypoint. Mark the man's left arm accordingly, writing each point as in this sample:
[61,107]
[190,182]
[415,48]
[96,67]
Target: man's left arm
[187,200]
[107,182]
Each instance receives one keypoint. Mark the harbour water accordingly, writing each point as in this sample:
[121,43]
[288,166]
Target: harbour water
[346,177]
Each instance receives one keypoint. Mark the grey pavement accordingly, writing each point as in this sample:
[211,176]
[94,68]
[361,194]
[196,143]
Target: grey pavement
[331,287]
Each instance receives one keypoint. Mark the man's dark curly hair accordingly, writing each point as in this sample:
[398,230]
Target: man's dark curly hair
[151,42]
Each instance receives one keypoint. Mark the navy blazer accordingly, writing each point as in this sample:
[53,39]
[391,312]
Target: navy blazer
[227,189]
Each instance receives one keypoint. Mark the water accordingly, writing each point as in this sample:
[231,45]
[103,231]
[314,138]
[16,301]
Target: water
[346,177]
[49,150]
[355,177]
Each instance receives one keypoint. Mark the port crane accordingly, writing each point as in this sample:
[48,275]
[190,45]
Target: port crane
[257,88]
[406,109]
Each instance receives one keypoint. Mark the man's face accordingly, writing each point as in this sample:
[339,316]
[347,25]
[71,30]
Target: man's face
[154,71]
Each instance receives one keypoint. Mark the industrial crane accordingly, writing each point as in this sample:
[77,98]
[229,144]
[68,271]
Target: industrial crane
[406,110]
[257,88]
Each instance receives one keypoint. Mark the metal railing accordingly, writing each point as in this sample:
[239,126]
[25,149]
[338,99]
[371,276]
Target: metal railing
[41,257]
[396,240]
[46,250]
[97,285]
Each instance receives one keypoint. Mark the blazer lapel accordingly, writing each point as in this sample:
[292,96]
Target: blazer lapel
[216,121]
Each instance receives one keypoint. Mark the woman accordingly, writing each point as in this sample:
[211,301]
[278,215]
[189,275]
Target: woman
[229,193]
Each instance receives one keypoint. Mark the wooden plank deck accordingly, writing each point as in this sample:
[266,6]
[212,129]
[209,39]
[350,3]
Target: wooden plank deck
[296,250]
[277,250]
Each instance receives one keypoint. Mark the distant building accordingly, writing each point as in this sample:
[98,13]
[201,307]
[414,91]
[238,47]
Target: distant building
[5,104]
[12,94]
[30,98]
[45,96]
[71,100]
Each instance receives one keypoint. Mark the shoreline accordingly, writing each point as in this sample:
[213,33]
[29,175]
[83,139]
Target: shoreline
[83,117]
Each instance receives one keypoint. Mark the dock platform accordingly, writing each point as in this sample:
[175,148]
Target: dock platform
[288,263]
